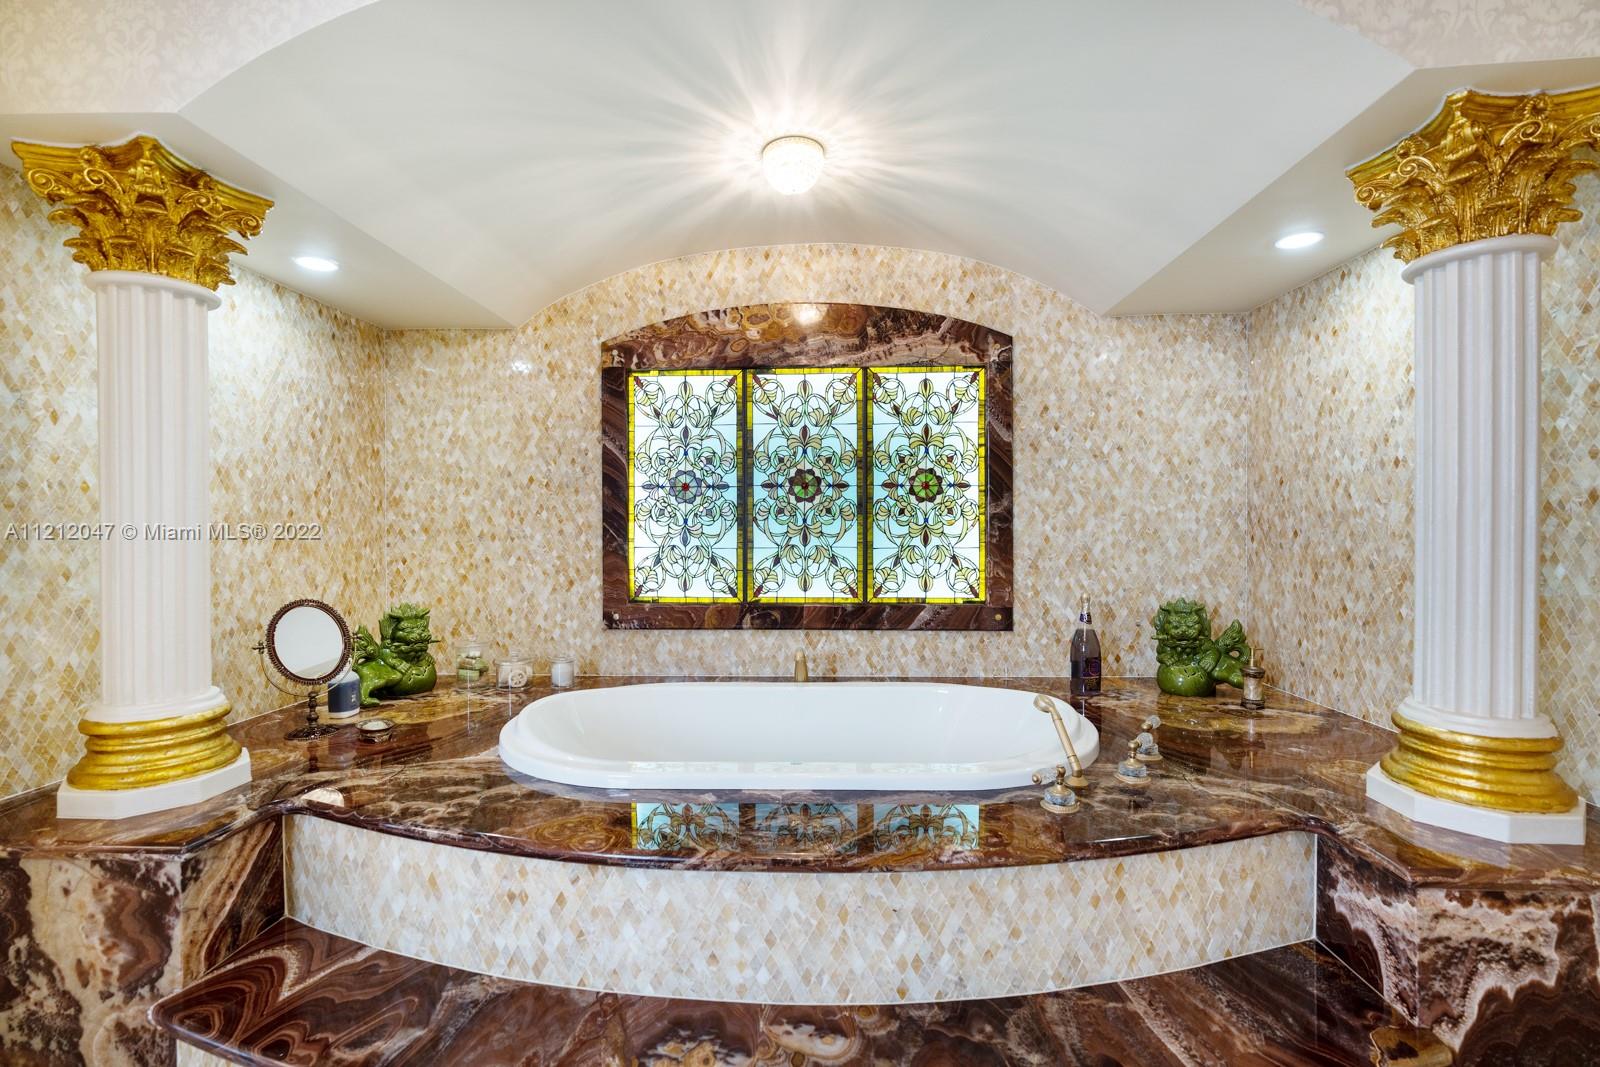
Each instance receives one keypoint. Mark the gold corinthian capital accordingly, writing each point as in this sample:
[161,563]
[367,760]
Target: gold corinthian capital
[1484,166]
[138,207]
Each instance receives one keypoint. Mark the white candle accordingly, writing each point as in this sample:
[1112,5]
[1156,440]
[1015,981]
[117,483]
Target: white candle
[563,670]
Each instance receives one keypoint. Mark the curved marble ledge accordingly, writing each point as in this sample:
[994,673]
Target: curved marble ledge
[1229,774]
[802,937]
[297,995]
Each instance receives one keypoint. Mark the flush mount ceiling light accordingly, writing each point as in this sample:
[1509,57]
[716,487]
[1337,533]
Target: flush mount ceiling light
[1304,239]
[792,164]
[316,263]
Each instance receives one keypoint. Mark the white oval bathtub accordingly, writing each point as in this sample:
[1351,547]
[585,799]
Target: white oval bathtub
[790,735]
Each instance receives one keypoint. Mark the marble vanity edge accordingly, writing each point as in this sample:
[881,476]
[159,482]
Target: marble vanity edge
[293,793]
[912,862]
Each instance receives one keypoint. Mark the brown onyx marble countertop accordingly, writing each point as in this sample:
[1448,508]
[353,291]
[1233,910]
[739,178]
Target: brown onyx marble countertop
[1229,773]
[298,995]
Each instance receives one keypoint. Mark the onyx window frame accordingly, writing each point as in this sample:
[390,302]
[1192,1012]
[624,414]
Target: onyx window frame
[816,336]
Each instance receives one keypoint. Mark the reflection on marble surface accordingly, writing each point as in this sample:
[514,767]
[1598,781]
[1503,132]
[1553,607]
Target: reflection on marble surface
[299,996]
[681,827]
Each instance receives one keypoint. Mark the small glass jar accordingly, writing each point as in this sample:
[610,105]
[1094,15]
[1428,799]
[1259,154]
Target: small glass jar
[514,672]
[1254,696]
[472,669]
[563,670]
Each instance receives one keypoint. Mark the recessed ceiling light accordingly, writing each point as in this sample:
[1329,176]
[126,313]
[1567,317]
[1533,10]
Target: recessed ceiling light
[792,164]
[1304,239]
[316,263]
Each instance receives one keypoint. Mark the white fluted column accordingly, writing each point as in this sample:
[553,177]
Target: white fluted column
[155,591]
[1475,754]
[156,233]
[159,714]
[1477,487]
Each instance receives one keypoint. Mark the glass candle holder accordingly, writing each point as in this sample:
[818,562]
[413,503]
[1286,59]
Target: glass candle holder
[1253,690]
[563,670]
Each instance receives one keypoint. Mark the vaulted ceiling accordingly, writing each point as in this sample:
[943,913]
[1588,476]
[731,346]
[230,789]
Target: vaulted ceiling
[469,162]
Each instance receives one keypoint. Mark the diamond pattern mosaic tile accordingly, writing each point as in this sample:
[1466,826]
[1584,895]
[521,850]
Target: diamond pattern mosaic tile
[1331,442]
[1110,428]
[1330,515]
[294,421]
[1569,573]
[50,639]
[856,938]
[295,414]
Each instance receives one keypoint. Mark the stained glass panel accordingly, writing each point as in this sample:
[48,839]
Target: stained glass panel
[835,485]
[683,486]
[927,512]
[805,439]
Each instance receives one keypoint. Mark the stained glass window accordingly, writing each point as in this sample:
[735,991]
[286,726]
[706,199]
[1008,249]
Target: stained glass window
[927,484]
[807,485]
[805,436]
[683,486]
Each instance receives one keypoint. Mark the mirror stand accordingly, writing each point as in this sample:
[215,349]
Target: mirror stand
[312,729]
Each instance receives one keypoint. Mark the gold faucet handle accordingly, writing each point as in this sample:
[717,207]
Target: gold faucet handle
[1061,776]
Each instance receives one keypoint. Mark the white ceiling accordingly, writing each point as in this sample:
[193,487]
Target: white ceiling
[468,163]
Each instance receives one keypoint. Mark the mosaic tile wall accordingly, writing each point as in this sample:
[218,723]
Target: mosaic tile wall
[1111,430]
[294,418]
[807,938]
[1330,511]
[1331,440]
[295,412]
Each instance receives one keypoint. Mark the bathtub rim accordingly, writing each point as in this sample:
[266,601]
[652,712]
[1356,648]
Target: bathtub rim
[527,754]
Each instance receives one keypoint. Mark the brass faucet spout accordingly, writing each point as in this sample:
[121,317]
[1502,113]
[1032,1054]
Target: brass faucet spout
[1048,706]
[801,674]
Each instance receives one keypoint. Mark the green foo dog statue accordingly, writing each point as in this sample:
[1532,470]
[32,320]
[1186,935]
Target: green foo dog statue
[398,664]
[1192,661]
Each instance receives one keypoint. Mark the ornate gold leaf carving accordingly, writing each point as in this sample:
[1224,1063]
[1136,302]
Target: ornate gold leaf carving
[1484,166]
[139,207]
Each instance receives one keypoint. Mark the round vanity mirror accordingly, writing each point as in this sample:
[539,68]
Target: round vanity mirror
[308,642]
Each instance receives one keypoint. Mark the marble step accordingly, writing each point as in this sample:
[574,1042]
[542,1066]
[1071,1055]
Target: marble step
[297,995]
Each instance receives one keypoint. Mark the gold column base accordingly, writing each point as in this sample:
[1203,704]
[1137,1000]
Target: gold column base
[127,755]
[1505,773]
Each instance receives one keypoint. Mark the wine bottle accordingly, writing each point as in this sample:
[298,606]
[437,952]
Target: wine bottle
[1085,654]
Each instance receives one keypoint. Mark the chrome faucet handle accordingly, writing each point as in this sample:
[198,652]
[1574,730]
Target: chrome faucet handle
[1057,797]
[1148,751]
